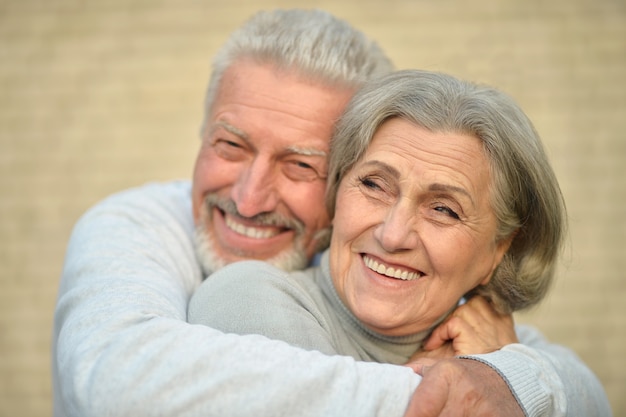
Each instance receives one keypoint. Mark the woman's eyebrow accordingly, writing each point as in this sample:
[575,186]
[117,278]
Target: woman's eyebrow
[451,189]
[384,167]
[435,187]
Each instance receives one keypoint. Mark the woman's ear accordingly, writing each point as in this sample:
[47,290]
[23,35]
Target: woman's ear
[501,248]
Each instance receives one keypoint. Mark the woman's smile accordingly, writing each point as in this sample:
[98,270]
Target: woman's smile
[397,272]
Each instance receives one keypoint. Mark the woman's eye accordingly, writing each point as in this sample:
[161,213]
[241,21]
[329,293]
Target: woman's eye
[378,189]
[369,183]
[448,211]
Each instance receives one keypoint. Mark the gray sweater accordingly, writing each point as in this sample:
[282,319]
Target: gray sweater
[122,345]
[302,308]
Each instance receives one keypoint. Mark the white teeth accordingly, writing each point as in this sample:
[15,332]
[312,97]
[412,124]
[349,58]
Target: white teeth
[252,232]
[389,271]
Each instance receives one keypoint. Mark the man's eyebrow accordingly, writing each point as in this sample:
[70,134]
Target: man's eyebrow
[307,151]
[230,128]
[244,136]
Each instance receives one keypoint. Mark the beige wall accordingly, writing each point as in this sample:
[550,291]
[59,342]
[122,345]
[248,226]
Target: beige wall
[103,95]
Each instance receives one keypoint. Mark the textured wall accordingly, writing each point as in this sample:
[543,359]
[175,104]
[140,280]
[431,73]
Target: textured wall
[99,96]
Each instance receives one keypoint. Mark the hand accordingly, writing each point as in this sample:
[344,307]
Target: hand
[473,328]
[461,387]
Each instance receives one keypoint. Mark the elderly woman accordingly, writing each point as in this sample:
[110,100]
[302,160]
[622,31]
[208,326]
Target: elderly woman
[440,190]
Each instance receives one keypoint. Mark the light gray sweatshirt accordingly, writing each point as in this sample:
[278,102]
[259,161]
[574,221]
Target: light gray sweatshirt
[302,308]
[122,345]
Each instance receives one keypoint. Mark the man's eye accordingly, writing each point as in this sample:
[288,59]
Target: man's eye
[228,149]
[302,171]
[226,142]
[303,165]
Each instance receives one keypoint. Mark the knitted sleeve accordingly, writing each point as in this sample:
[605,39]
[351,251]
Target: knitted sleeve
[122,346]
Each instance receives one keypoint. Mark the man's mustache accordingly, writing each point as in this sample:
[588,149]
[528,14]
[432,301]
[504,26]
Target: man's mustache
[273,219]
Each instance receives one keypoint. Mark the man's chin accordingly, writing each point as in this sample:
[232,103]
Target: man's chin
[291,260]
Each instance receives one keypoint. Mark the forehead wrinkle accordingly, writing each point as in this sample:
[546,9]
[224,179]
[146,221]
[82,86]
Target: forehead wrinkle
[452,163]
[296,109]
[434,187]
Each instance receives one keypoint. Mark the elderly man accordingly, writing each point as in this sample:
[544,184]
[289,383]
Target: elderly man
[122,346]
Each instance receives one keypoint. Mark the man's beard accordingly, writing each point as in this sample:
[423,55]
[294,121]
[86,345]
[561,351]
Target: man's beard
[292,258]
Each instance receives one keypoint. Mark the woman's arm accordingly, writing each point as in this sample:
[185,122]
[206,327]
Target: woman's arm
[254,297]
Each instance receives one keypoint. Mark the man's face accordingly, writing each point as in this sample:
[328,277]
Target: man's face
[260,174]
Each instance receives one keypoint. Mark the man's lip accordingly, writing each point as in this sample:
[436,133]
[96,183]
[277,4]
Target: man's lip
[390,270]
[249,229]
[235,245]
[246,229]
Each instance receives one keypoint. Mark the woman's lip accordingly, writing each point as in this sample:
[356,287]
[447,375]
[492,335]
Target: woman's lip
[391,271]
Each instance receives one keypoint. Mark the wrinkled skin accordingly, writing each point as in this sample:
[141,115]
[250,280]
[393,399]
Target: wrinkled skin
[473,328]
[464,387]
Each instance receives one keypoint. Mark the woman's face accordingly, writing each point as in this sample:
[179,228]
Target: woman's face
[413,229]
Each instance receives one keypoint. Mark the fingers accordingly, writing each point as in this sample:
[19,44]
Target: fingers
[465,317]
[430,396]
[427,401]
[418,368]
[421,366]
[483,318]
[478,313]
[446,331]
[477,310]
[474,327]
[462,387]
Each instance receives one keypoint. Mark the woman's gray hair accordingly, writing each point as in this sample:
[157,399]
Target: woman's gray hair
[525,194]
[314,43]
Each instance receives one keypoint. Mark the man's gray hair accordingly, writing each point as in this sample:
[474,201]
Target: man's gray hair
[313,43]
[525,194]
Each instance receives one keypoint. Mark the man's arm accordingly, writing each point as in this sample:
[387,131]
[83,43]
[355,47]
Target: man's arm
[122,345]
[532,378]
[562,385]
[461,387]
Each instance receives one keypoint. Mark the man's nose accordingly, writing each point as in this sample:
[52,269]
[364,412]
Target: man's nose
[255,189]
[398,229]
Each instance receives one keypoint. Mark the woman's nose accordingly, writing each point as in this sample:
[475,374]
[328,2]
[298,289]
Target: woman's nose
[398,229]
[255,191]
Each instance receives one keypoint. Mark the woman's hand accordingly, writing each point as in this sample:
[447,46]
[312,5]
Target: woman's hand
[473,328]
